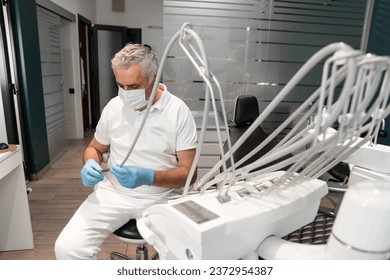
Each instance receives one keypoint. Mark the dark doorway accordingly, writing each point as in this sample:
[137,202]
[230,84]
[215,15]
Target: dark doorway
[107,40]
[134,35]
[85,30]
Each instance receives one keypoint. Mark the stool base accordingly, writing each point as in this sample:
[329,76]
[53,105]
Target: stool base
[141,254]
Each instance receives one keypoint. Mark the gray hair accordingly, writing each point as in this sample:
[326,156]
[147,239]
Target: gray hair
[136,54]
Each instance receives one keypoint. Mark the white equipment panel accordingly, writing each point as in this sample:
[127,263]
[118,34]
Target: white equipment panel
[201,227]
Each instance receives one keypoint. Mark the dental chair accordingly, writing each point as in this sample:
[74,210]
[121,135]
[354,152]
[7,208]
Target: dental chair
[248,212]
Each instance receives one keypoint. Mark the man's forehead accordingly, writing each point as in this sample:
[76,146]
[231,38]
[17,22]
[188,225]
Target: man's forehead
[130,76]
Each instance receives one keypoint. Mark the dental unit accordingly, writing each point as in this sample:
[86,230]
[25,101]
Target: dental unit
[243,213]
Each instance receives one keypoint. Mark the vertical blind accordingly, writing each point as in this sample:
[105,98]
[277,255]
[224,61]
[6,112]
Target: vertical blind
[256,46]
[49,29]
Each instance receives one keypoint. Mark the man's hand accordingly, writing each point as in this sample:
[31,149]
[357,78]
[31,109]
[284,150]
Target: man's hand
[90,174]
[133,176]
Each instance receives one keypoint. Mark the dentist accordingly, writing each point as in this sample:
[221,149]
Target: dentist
[158,165]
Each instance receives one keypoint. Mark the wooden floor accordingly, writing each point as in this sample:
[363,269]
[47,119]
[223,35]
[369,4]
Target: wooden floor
[54,199]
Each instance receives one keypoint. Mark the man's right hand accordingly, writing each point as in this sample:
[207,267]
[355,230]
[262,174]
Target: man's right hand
[90,174]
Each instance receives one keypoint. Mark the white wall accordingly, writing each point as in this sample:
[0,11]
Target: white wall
[145,14]
[71,73]
[86,8]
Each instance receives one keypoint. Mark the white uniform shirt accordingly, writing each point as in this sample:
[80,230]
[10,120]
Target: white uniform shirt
[170,127]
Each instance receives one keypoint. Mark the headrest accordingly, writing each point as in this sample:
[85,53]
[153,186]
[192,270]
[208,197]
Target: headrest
[246,110]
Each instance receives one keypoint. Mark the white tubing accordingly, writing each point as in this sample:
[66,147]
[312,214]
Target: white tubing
[275,248]
[282,94]
[152,96]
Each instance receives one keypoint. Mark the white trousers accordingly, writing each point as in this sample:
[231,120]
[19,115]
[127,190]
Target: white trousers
[104,211]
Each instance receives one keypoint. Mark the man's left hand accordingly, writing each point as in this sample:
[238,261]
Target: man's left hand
[133,176]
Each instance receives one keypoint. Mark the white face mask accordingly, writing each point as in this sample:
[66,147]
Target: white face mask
[134,99]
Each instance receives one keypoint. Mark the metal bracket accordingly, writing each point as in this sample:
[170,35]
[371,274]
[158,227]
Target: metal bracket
[12,88]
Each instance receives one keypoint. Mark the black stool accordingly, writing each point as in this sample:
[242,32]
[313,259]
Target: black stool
[129,233]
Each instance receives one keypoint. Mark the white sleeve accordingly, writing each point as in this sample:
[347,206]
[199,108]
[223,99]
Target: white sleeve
[101,132]
[187,137]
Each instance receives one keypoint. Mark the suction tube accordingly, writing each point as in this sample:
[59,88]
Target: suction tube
[361,229]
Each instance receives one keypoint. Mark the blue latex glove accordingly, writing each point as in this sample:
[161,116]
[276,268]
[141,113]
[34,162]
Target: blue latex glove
[90,174]
[133,176]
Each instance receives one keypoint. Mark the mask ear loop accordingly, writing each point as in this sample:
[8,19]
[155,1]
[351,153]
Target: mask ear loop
[151,82]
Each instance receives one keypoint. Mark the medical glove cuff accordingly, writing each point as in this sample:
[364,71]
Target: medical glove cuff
[133,176]
[149,176]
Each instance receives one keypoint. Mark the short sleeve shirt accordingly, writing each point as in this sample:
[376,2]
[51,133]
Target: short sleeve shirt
[169,127]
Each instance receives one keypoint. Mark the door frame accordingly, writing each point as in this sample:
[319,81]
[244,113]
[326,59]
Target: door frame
[95,100]
[85,52]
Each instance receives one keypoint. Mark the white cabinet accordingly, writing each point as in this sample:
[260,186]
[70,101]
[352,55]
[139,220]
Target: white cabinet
[15,222]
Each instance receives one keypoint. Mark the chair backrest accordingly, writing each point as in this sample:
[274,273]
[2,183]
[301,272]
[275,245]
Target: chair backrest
[246,110]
